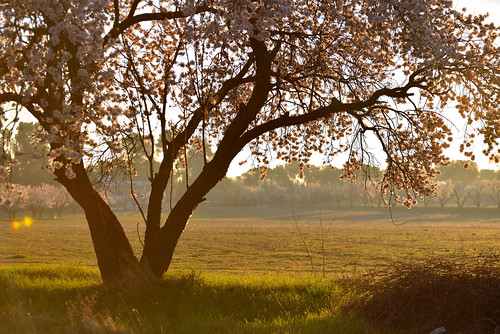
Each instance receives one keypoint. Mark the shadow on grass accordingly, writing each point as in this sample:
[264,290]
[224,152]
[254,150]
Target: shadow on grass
[66,299]
[408,297]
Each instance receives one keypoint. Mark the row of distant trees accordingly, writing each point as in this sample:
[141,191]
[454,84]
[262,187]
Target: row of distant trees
[456,187]
[478,194]
[283,185]
[37,200]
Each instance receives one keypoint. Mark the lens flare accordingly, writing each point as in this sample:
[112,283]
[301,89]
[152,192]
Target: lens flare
[27,221]
[16,225]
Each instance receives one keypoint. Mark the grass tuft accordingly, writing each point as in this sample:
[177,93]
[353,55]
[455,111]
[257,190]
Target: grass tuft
[17,256]
[417,296]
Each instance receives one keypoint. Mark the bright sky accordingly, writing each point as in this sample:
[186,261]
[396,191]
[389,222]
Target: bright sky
[478,7]
[481,7]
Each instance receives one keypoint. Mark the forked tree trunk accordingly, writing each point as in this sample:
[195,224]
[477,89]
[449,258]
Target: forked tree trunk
[115,256]
[161,242]
[159,250]
[114,253]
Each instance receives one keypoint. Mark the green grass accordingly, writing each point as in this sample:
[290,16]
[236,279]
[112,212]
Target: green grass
[411,297]
[55,299]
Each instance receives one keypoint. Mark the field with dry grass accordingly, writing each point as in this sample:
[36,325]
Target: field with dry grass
[278,240]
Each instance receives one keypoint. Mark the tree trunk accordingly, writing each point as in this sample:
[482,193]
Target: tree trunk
[115,257]
[159,249]
[114,253]
[157,256]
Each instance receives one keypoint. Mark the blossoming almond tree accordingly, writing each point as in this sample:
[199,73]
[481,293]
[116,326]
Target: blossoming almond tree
[283,78]
[11,198]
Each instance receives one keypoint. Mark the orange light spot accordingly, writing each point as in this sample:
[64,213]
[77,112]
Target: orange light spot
[16,225]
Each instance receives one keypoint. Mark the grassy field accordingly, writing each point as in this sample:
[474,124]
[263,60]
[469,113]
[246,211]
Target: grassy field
[275,241]
[68,299]
[264,274]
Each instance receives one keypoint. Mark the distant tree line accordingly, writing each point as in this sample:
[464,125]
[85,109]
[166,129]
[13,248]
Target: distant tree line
[456,187]
[284,185]
[44,200]
[32,188]
[291,185]
[36,201]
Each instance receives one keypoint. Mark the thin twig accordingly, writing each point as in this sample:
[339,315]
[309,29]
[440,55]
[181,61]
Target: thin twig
[131,180]
[139,236]
[303,240]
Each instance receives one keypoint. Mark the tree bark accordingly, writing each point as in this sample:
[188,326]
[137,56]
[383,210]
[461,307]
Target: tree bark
[115,257]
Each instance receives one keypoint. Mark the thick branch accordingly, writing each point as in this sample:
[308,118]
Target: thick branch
[132,19]
[17,98]
[159,246]
[335,107]
[180,139]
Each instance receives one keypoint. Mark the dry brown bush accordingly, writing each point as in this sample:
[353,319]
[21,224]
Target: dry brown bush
[417,296]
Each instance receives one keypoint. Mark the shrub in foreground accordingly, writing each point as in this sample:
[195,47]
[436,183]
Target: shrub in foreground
[417,296]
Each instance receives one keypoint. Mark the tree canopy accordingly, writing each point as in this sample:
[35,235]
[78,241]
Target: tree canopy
[285,78]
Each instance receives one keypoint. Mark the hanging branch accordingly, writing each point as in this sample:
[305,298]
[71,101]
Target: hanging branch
[203,139]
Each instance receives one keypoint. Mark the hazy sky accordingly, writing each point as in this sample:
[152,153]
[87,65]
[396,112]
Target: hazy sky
[481,7]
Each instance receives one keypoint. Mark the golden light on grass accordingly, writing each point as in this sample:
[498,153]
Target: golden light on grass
[27,221]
